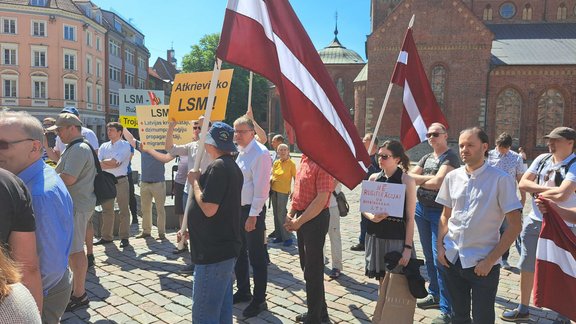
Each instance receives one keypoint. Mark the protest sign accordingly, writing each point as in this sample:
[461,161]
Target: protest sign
[382,197]
[190,95]
[153,126]
[130,98]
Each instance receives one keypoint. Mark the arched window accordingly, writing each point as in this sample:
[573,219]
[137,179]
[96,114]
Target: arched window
[561,14]
[487,13]
[550,114]
[527,12]
[438,84]
[508,110]
[340,87]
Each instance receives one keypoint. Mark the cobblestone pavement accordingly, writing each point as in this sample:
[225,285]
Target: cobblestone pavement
[141,284]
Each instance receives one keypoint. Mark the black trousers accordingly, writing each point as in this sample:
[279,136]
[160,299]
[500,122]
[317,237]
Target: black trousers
[311,238]
[254,250]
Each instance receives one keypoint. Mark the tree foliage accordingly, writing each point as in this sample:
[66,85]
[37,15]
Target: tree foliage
[202,57]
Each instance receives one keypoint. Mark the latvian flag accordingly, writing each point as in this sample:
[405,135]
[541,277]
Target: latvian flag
[266,37]
[555,276]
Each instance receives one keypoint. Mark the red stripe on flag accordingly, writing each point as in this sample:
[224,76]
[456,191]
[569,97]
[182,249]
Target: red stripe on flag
[554,289]
[554,228]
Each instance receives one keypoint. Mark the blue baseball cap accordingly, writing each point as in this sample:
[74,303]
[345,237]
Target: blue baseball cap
[221,135]
[71,110]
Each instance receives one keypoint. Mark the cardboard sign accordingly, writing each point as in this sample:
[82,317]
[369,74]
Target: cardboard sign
[153,126]
[130,98]
[190,95]
[382,197]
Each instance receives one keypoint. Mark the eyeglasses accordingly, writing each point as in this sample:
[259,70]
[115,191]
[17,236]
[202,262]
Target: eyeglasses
[384,156]
[242,131]
[434,134]
[4,145]
[196,127]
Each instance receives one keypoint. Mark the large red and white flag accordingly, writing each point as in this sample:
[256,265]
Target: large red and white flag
[555,276]
[266,37]
[420,106]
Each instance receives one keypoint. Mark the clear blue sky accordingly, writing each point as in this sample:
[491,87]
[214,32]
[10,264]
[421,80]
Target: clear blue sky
[184,22]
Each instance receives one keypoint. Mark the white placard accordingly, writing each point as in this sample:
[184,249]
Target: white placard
[130,98]
[382,197]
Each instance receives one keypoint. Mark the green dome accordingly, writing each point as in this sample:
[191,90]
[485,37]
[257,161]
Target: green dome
[335,53]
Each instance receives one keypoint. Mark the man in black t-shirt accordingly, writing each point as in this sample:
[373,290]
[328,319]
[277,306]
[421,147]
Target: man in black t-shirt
[214,227]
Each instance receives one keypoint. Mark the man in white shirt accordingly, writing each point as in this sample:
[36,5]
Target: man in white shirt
[114,157]
[255,162]
[476,198]
[551,176]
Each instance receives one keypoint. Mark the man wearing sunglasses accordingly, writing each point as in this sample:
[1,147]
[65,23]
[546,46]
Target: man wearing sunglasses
[429,174]
[550,177]
[21,137]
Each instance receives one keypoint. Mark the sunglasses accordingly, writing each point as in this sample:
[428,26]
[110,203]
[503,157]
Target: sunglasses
[384,156]
[434,134]
[196,127]
[4,145]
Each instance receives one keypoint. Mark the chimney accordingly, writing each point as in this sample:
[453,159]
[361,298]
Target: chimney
[171,57]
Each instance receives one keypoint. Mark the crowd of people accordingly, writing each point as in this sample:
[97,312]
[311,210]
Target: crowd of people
[467,216]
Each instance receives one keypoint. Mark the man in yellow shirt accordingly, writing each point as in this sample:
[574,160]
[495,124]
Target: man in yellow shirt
[283,172]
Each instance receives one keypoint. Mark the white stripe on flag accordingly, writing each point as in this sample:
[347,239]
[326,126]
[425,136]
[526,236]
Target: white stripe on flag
[292,68]
[547,250]
[403,57]
[414,112]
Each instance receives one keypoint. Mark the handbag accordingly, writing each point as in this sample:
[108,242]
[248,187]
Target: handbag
[343,207]
[395,304]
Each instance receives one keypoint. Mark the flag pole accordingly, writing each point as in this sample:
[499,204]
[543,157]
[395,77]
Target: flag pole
[385,103]
[250,91]
[200,148]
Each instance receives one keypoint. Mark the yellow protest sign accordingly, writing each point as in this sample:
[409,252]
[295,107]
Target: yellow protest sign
[189,96]
[153,126]
[128,121]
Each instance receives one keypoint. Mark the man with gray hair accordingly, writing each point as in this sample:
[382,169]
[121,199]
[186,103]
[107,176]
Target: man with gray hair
[51,203]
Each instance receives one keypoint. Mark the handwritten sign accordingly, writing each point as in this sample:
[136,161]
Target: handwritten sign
[153,126]
[190,95]
[380,197]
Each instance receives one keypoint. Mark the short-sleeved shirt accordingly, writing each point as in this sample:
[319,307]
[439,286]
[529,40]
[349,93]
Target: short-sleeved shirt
[119,151]
[547,172]
[182,174]
[479,202]
[16,205]
[54,215]
[430,166]
[217,238]
[511,162]
[78,161]
[191,150]
[282,174]
[87,133]
[311,179]
[152,169]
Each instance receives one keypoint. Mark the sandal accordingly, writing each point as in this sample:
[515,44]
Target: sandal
[77,302]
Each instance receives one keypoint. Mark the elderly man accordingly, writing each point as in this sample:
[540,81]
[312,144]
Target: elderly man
[429,174]
[476,199]
[551,176]
[114,158]
[310,218]
[52,206]
[214,227]
[77,169]
[256,165]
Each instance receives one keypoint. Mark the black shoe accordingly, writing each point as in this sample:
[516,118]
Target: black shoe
[124,243]
[254,309]
[90,258]
[357,247]
[102,242]
[236,299]
[77,302]
[304,316]
[178,251]
[271,235]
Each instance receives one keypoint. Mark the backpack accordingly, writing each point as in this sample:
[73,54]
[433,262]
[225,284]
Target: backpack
[343,206]
[559,177]
[104,182]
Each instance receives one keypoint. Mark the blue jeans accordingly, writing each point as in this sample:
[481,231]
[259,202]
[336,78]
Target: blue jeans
[427,219]
[467,289]
[212,292]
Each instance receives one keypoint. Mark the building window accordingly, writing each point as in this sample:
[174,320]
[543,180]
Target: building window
[141,63]
[39,88]
[89,39]
[38,3]
[117,26]
[69,33]
[88,92]
[98,94]
[114,48]
[39,28]
[129,79]
[550,114]
[98,68]
[114,99]
[129,57]
[561,14]
[507,10]
[69,90]
[9,54]
[89,64]
[438,84]
[508,111]
[98,45]
[70,61]
[8,25]
[39,57]
[141,83]
[487,13]
[10,86]
[114,73]
[527,12]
